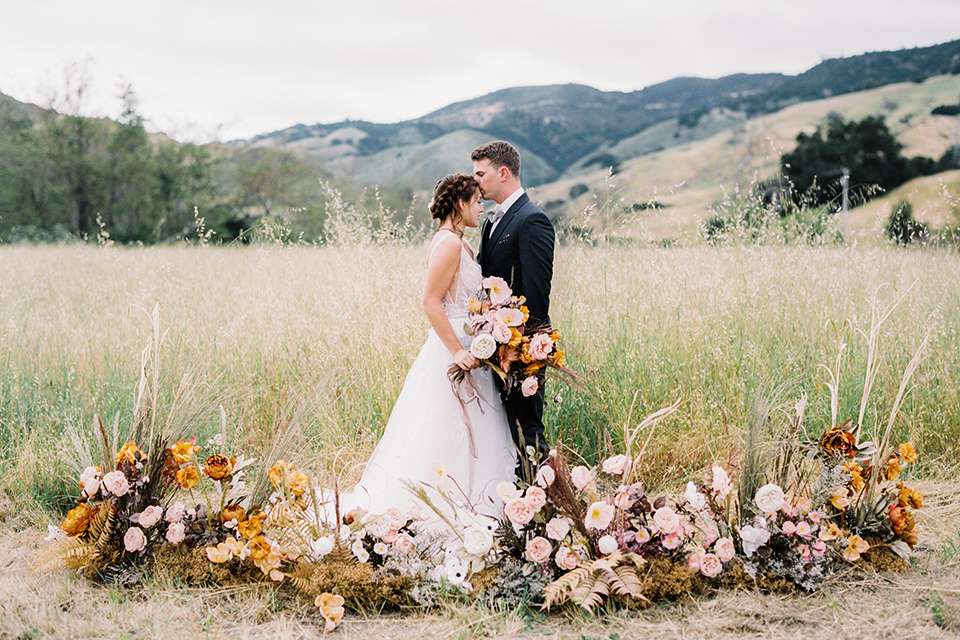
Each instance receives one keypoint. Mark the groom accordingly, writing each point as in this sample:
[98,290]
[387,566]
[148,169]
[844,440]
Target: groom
[516,244]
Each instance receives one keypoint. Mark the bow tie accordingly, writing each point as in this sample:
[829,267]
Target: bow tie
[495,215]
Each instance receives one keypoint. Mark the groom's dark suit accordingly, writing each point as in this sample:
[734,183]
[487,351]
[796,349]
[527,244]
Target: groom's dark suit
[521,252]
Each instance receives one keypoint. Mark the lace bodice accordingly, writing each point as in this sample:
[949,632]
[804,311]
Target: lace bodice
[468,281]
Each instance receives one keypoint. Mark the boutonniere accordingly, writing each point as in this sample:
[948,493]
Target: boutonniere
[504,238]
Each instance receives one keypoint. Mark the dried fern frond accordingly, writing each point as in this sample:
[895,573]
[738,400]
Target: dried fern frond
[590,583]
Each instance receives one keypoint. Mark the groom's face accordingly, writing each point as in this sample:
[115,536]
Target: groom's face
[489,178]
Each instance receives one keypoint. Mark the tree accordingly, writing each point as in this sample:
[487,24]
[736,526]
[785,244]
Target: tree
[867,148]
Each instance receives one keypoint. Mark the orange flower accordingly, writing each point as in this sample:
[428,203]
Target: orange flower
[839,498]
[901,520]
[854,470]
[838,442]
[259,548]
[855,547]
[250,527]
[515,338]
[907,452]
[183,451]
[299,482]
[78,519]
[129,453]
[909,497]
[188,477]
[233,512]
[331,608]
[276,473]
[218,466]
[893,468]
[558,359]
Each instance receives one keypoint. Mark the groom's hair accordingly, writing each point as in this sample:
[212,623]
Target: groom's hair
[500,154]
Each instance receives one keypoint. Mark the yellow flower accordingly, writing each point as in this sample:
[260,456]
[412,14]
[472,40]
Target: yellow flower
[259,548]
[331,608]
[473,305]
[78,519]
[515,338]
[296,480]
[855,471]
[558,359]
[910,497]
[188,477]
[128,453]
[299,482]
[183,451]
[218,466]
[250,527]
[839,498]
[907,452]
[276,473]
[233,512]
[893,468]
[839,443]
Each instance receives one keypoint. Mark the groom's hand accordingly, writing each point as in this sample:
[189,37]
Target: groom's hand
[465,360]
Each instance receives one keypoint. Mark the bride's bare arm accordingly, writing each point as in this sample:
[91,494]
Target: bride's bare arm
[442,268]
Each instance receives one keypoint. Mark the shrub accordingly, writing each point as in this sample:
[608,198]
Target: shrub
[901,227]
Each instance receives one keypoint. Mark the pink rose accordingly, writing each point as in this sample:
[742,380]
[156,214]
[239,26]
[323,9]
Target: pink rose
[116,483]
[175,533]
[566,559]
[558,528]
[538,549]
[501,333]
[403,543]
[175,512]
[819,548]
[397,518]
[90,482]
[529,386]
[536,496]
[134,539]
[666,519]
[724,549]
[541,346]
[712,532]
[545,476]
[710,565]
[519,511]
[607,545]
[150,516]
[615,465]
[582,477]
[390,536]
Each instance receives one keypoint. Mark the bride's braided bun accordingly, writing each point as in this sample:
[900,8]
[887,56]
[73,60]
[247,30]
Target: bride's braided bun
[449,192]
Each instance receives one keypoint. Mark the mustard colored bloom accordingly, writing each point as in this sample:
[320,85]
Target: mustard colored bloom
[907,452]
[910,497]
[259,548]
[188,477]
[559,360]
[250,527]
[516,339]
[233,512]
[839,498]
[78,519]
[219,554]
[892,469]
[129,453]
[182,451]
[218,467]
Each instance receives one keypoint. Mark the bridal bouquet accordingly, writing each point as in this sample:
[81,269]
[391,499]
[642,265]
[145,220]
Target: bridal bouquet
[504,339]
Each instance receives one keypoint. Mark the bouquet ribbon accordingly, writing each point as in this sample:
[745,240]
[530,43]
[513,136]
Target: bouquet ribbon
[461,383]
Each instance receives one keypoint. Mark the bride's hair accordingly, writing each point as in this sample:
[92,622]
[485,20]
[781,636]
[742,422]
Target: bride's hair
[449,192]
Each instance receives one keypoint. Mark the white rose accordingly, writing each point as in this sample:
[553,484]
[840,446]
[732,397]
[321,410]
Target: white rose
[483,346]
[322,546]
[769,498]
[558,528]
[477,541]
[607,545]
[378,526]
[615,465]
[546,476]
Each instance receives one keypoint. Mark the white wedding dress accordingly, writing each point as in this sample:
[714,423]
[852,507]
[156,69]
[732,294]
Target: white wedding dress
[427,441]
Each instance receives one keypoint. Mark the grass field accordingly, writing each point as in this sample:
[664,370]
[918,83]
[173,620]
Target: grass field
[314,342]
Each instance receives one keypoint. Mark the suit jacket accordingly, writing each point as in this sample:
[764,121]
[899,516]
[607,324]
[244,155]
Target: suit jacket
[521,252]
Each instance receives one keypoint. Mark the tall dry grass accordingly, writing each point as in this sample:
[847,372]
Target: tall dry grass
[316,342]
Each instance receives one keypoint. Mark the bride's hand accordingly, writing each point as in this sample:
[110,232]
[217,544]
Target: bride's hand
[465,360]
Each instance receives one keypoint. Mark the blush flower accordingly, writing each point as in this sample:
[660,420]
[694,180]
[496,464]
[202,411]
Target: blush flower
[582,477]
[721,482]
[724,549]
[599,515]
[519,511]
[116,483]
[541,346]
[545,476]
[558,528]
[175,533]
[90,481]
[607,545]
[508,491]
[403,543]
[671,541]
[710,565]
[666,519]
[150,516]
[615,465]
[529,386]
[509,317]
[175,512]
[483,346]
[538,549]
[536,496]
[134,539]
[501,333]
[566,559]
[499,291]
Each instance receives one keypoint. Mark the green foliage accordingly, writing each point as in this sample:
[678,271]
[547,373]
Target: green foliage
[901,227]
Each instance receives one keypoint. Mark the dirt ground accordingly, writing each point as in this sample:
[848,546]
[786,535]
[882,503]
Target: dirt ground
[923,602]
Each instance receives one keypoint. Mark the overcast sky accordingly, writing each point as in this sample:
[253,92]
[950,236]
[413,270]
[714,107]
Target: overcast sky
[212,69]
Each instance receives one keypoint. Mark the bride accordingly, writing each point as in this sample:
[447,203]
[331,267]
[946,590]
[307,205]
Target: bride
[433,438]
